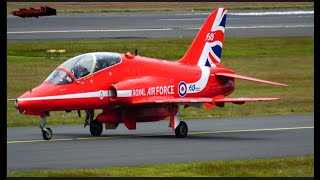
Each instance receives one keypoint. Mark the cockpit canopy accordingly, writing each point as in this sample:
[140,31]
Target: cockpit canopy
[83,65]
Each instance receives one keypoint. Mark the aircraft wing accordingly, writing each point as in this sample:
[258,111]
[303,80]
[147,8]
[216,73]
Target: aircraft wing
[248,78]
[208,102]
[171,100]
[243,100]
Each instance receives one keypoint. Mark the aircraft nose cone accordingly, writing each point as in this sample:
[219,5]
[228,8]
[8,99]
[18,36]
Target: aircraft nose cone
[16,105]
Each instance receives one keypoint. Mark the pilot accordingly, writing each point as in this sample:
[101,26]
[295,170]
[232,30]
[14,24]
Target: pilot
[83,71]
[75,71]
[98,66]
[79,71]
[112,61]
[63,78]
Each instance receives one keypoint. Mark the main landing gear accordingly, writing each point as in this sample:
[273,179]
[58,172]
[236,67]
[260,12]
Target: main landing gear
[180,127]
[181,130]
[95,127]
[46,132]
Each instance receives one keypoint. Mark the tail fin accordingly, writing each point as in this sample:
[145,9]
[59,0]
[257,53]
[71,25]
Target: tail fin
[207,46]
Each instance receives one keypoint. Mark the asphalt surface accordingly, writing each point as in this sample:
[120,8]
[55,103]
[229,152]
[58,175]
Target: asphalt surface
[154,143]
[157,25]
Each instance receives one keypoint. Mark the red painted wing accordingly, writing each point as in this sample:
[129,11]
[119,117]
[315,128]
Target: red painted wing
[189,100]
[248,78]
[243,100]
[172,100]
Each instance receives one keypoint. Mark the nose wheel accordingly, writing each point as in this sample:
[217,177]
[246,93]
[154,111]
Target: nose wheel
[46,132]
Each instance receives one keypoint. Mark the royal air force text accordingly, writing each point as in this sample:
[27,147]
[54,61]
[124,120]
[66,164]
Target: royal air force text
[154,91]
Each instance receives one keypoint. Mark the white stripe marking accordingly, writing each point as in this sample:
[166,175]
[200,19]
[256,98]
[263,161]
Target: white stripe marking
[217,19]
[279,26]
[202,82]
[68,96]
[260,13]
[259,27]
[194,133]
[183,19]
[161,29]
[124,93]
[271,13]
[90,30]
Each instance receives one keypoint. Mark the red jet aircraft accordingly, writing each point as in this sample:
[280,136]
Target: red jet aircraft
[131,88]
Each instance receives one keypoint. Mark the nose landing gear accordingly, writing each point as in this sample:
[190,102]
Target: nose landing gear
[46,132]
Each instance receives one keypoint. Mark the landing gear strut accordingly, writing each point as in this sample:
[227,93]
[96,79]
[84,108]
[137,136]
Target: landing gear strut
[96,128]
[89,117]
[46,132]
[180,127]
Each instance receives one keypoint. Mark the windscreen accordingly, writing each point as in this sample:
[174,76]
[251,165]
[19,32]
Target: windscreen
[79,66]
[59,77]
[85,64]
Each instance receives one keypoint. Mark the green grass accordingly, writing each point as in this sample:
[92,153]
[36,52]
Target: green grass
[276,167]
[287,60]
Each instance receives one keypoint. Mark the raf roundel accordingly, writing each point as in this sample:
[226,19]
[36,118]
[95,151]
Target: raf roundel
[101,95]
[182,89]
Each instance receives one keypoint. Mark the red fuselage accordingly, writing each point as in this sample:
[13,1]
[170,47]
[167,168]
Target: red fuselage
[135,77]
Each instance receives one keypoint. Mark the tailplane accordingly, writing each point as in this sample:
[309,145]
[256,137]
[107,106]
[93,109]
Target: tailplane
[207,46]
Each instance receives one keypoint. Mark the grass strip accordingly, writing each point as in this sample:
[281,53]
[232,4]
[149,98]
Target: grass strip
[302,166]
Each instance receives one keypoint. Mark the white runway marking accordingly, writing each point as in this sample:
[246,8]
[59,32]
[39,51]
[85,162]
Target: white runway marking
[90,30]
[183,19]
[259,13]
[279,26]
[194,133]
[159,29]
[271,13]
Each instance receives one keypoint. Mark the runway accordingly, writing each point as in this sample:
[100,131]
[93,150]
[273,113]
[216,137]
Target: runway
[154,143]
[144,25]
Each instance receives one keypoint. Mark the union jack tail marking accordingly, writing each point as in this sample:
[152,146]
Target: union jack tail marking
[206,49]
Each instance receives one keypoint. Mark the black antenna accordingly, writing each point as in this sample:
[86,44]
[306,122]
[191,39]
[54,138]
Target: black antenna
[136,52]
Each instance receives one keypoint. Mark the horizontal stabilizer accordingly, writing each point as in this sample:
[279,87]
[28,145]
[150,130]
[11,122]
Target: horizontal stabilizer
[249,78]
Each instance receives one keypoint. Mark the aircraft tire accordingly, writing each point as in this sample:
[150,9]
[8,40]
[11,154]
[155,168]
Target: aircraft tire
[182,130]
[96,128]
[47,135]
